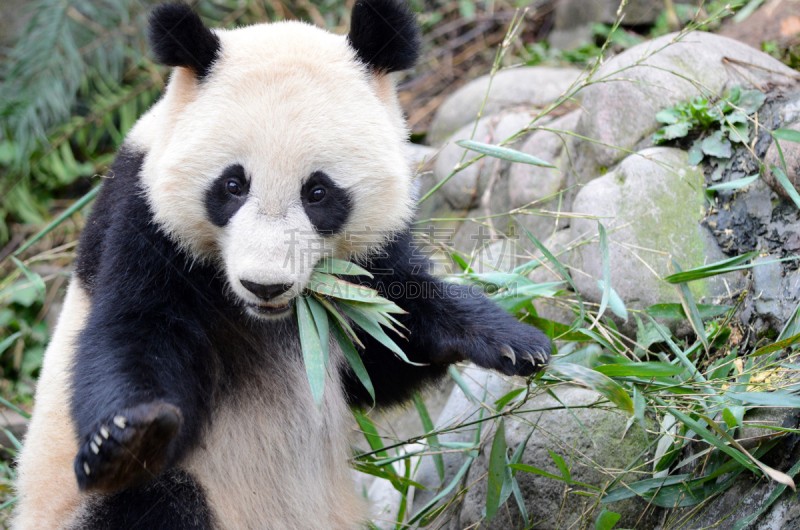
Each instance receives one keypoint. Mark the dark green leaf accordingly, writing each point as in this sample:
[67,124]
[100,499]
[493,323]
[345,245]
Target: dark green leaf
[642,369]
[433,440]
[669,116]
[705,271]
[353,358]
[606,520]
[642,487]
[781,177]
[675,311]
[371,434]
[503,401]
[497,465]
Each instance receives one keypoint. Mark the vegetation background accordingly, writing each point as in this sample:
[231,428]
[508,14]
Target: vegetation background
[75,76]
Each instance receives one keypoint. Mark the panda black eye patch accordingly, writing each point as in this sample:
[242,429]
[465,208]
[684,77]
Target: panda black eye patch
[326,204]
[227,194]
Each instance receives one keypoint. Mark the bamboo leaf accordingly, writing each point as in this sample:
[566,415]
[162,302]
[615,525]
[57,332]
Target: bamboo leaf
[321,322]
[374,329]
[780,176]
[353,358]
[605,253]
[313,356]
[640,369]
[503,153]
[8,341]
[371,434]
[734,184]
[536,471]
[338,266]
[433,440]
[690,306]
[606,520]
[595,381]
[32,277]
[614,301]
[705,271]
[497,466]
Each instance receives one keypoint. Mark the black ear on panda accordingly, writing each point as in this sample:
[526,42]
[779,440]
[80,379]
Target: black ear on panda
[179,38]
[384,34]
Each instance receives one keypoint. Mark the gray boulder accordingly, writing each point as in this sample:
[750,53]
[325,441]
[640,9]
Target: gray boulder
[654,75]
[530,87]
[465,189]
[546,500]
[651,206]
[575,18]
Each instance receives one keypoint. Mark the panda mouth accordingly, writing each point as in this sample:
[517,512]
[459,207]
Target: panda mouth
[268,309]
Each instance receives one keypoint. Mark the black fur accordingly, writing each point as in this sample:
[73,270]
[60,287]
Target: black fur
[160,332]
[384,34]
[446,323]
[163,345]
[221,205]
[125,167]
[329,214]
[179,38]
[173,501]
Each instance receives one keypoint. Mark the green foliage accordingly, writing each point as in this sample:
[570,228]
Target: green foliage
[715,125]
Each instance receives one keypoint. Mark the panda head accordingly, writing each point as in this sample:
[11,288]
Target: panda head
[276,145]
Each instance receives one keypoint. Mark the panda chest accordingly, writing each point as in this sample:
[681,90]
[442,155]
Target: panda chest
[270,454]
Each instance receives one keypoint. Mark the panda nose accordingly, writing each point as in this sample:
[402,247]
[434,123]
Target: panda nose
[266,292]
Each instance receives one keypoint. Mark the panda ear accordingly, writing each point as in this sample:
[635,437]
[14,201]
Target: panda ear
[179,38]
[384,34]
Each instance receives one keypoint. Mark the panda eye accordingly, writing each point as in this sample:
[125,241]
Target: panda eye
[316,194]
[233,187]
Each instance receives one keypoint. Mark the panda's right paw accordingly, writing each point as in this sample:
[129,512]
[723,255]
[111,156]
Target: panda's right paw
[128,447]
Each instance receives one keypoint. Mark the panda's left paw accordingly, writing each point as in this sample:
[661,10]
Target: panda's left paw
[128,447]
[518,349]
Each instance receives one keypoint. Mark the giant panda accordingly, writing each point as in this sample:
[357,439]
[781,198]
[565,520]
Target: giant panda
[173,394]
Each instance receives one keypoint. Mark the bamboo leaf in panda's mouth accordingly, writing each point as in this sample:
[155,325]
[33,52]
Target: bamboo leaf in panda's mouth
[327,296]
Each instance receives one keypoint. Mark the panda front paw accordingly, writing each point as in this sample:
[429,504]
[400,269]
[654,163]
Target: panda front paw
[127,448]
[518,349]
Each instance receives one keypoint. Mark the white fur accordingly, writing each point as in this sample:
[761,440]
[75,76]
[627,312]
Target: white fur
[284,100]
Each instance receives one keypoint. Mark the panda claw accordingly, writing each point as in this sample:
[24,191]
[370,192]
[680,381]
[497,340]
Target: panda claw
[86,469]
[104,432]
[506,351]
[94,447]
[98,440]
[120,421]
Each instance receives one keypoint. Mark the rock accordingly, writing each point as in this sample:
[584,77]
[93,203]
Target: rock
[619,114]
[458,409]
[651,207]
[558,432]
[536,187]
[465,189]
[574,18]
[775,21]
[791,154]
[529,183]
[533,86]
[767,289]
